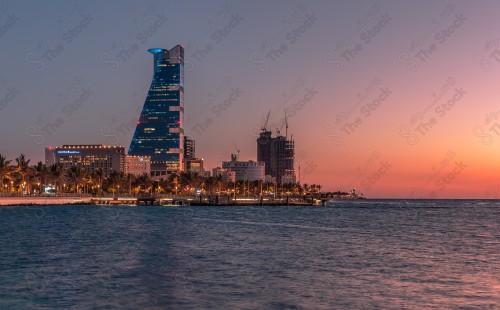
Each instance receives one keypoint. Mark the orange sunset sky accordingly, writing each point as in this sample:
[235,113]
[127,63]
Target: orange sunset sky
[397,99]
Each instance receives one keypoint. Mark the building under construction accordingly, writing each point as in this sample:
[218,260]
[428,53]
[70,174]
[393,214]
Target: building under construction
[278,153]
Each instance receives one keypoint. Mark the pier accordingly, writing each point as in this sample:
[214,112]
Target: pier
[208,200]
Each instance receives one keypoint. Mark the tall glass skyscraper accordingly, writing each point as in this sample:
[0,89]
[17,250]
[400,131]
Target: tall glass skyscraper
[160,129]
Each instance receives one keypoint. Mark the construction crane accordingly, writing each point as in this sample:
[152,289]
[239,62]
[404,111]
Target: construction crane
[285,123]
[237,151]
[264,127]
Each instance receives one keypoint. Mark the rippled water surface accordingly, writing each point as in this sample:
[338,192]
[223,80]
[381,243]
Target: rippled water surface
[354,255]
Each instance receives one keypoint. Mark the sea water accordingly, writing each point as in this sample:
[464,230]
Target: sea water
[390,254]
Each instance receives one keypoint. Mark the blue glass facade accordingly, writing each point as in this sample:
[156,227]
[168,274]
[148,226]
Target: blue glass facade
[160,129]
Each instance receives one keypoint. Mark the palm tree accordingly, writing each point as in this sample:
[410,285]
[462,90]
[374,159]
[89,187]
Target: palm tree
[128,179]
[185,180]
[88,179]
[77,175]
[58,174]
[196,182]
[99,176]
[31,179]
[306,188]
[117,181]
[173,179]
[254,186]
[220,183]
[163,185]
[41,173]
[142,182]
[209,184]
[5,170]
[23,170]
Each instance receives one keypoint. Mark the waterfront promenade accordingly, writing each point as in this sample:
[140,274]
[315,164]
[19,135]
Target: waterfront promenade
[42,200]
[183,199]
[159,200]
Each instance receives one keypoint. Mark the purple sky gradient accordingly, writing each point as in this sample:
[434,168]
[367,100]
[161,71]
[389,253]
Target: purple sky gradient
[77,73]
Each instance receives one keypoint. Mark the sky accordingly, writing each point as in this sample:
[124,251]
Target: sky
[398,99]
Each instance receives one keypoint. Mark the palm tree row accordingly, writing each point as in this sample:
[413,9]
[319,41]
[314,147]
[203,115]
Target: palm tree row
[19,177]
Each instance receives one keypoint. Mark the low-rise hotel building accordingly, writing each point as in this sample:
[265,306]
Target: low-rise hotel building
[89,157]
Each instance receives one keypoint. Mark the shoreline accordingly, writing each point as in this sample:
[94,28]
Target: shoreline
[42,201]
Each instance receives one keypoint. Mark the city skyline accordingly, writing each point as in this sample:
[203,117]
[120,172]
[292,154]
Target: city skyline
[394,99]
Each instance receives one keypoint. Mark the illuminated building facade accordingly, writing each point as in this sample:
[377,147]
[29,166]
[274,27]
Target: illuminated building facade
[160,129]
[138,165]
[195,166]
[88,157]
[189,148]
